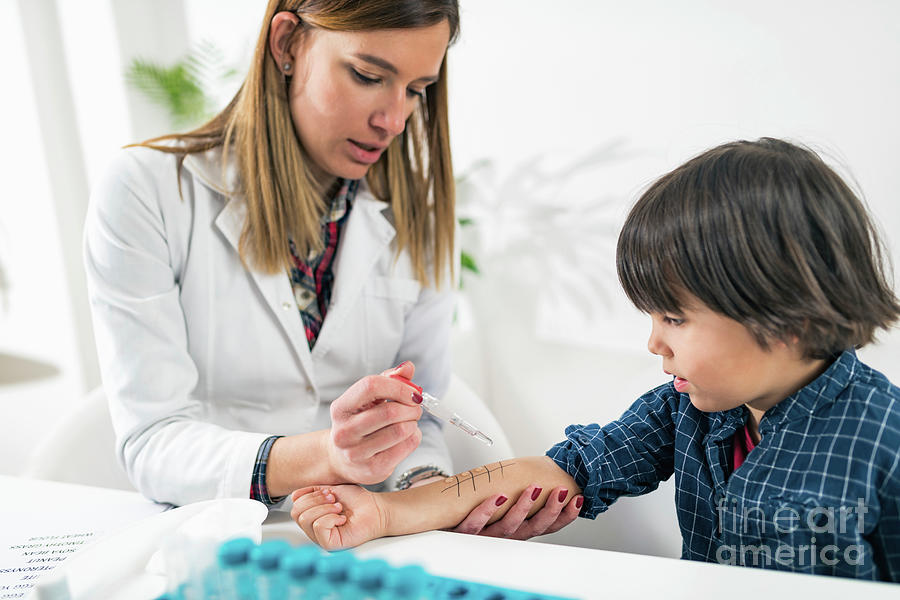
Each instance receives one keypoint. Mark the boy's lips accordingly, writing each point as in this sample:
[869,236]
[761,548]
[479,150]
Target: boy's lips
[680,383]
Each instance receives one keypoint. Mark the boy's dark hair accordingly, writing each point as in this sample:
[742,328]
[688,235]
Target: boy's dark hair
[766,234]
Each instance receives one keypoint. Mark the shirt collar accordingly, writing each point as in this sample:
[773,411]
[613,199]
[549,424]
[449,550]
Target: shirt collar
[341,201]
[821,391]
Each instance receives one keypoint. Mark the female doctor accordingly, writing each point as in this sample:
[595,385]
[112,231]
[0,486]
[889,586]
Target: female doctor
[245,277]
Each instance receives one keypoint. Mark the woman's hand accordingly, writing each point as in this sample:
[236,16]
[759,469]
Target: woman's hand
[555,515]
[370,436]
[336,517]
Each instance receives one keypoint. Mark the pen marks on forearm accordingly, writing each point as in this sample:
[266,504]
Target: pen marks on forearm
[456,481]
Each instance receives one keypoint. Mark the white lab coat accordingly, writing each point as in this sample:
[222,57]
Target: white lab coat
[202,359]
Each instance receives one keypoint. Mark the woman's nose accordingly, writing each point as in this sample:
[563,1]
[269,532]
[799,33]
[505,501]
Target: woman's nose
[391,117]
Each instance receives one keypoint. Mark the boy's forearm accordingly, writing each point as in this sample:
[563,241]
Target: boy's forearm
[447,502]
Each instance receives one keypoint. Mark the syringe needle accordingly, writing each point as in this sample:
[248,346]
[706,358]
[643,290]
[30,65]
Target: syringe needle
[434,406]
[488,441]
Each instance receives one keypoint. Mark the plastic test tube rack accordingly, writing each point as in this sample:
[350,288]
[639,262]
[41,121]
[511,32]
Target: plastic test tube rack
[244,570]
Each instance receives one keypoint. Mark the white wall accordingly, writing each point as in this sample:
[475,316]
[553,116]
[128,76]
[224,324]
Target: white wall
[631,90]
[37,322]
[648,84]
[577,105]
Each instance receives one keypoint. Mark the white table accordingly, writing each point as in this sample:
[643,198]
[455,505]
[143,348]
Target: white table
[547,568]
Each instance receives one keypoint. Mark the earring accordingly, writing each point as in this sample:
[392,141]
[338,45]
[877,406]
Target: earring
[287,67]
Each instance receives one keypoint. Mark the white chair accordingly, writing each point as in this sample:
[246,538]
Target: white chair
[466,451]
[81,449]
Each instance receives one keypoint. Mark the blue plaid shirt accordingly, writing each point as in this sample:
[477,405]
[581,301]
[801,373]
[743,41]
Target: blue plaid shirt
[819,494]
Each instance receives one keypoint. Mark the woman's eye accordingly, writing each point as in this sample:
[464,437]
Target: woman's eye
[417,93]
[363,79]
[673,321]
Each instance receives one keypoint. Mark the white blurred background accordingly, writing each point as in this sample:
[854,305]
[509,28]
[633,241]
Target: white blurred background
[561,113]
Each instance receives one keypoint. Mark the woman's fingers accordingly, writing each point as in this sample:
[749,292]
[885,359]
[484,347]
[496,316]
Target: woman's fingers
[558,511]
[515,517]
[540,522]
[476,520]
[387,459]
[369,391]
[370,435]
[406,369]
[568,514]
[353,428]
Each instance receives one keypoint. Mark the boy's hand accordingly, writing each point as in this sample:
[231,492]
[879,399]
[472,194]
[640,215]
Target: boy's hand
[515,524]
[336,517]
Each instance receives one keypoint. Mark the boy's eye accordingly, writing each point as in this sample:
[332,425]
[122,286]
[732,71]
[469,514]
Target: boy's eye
[674,321]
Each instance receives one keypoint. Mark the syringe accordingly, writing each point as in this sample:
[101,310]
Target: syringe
[434,407]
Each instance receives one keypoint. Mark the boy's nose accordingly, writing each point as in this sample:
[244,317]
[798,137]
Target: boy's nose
[656,345]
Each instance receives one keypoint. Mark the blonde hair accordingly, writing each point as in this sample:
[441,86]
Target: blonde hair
[284,201]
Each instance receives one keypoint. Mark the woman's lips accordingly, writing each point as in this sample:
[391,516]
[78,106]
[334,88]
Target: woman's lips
[365,153]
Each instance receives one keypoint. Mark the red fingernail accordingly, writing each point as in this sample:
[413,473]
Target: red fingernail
[400,365]
[501,500]
[563,494]
[536,493]
[579,501]
[417,397]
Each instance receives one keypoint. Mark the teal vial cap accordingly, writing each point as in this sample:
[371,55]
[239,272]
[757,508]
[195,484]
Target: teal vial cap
[235,552]
[268,555]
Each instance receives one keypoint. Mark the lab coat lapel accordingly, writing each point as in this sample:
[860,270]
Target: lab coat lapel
[274,287]
[366,235]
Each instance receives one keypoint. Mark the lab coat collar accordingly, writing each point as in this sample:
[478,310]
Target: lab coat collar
[367,235]
[213,172]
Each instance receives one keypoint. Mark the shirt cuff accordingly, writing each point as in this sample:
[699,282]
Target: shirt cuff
[258,489]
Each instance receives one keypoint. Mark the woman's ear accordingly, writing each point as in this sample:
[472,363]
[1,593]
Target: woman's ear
[280,35]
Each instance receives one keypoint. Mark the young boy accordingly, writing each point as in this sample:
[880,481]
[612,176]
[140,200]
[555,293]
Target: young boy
[762,273]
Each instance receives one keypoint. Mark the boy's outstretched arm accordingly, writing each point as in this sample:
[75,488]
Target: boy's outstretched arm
[347,515]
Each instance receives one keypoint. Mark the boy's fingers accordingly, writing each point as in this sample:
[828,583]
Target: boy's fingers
[302,491]
[311,500]
[307,518]
[325,531]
